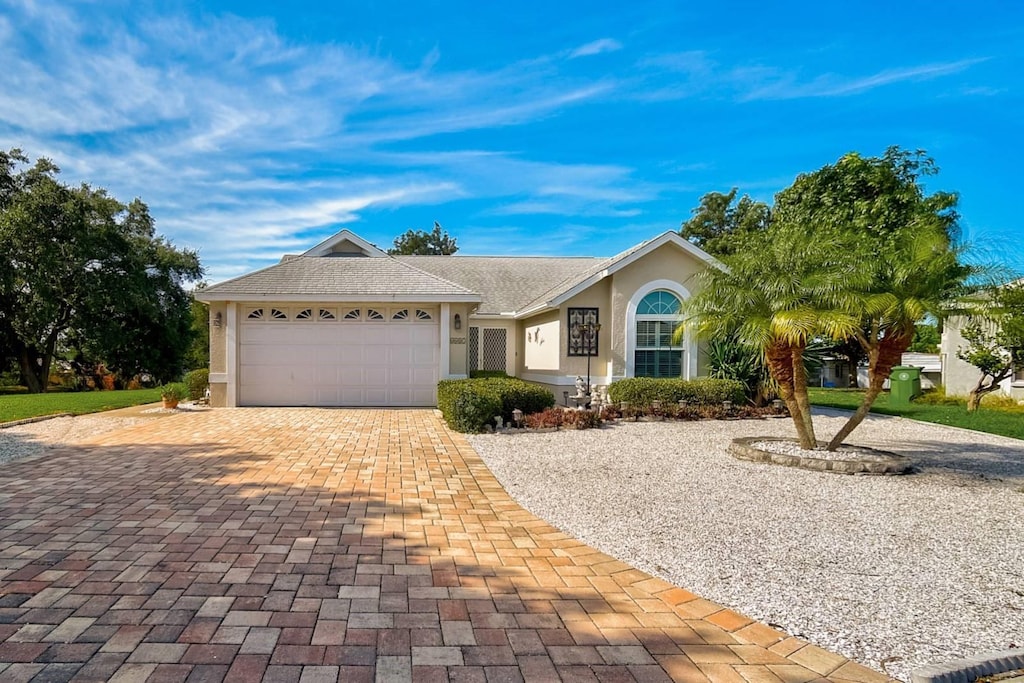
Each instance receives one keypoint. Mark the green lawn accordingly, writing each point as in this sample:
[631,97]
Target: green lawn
[1003,421]
[21,406]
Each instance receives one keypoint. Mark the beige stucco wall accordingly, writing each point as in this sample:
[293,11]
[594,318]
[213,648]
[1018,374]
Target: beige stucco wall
[668,262]
[542,339]
[218,354]
[457,347]
[218,336]
[611,297]
[597,297]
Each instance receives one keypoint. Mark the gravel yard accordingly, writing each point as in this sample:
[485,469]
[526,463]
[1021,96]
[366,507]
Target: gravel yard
[893,572]
[38,437]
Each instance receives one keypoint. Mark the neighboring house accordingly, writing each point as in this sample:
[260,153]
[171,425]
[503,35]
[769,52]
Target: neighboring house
[931,367]
[960,377]
[833,372]
[345,324]
[930,364]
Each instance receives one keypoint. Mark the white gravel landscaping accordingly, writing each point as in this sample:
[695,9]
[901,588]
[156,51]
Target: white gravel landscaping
[893,572]
[39,437]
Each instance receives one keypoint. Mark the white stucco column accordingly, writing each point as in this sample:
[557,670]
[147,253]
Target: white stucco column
[231,355]
[446,341]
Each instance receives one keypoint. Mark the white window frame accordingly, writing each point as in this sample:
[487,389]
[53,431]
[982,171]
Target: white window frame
[689,345]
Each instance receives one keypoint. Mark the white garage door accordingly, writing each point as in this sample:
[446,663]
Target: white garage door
[326,357]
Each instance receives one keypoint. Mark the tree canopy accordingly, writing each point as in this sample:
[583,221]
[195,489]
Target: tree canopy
[437,242]
[82,271]
[721,224]
[855,251]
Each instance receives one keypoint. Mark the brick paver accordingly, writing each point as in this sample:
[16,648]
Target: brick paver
[350,545]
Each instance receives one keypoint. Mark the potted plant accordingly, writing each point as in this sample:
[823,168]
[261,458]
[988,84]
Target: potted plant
[173,393]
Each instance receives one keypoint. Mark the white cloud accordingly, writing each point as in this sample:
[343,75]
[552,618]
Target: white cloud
[833,85]
[695,73]
[596,47]
[243,142]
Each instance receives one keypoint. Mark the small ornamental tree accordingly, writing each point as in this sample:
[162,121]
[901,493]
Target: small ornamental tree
[995,345]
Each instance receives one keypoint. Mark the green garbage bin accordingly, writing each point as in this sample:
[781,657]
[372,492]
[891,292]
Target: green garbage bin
[904,384]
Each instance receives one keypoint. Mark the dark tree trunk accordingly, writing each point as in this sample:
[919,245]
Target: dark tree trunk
[882,357]
[30,372]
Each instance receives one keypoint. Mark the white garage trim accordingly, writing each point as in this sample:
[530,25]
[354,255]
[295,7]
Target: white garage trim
[231,355]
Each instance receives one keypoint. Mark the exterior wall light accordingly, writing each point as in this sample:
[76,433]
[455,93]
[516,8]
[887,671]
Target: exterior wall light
[218,319]
[458,321]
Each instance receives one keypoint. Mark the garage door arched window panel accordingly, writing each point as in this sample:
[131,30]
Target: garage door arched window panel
[327,314]
[423,315]
[255,314]
[304,314]
[400,315]
[278,314]
[353,314]
[657,353]
[374,314]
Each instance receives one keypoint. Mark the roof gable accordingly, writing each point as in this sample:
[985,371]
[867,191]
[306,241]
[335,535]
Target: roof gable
[572,286]
[345,243]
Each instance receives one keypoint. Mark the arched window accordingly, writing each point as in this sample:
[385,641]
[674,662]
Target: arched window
[656,354]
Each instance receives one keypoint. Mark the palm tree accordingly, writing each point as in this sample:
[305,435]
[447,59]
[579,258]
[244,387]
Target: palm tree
[919,273]
[780,293]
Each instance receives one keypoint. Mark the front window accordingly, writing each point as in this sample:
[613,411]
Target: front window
[656,318]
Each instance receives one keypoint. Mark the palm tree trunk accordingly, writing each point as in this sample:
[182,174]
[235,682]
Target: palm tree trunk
[779,358]
[800,396]
[882,357]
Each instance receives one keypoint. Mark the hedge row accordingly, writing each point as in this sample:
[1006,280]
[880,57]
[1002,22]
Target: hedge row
[469,405]
[640,392]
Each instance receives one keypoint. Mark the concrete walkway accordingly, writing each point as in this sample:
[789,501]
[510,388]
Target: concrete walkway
[323,545]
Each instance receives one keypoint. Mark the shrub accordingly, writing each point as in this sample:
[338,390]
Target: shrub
[546,419]
[580,419]
[469,405]
[640,392]
[485,374]
[197,381]
[515,393]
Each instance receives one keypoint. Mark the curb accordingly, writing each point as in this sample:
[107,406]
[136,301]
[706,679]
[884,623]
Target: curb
[970,669]
[30,420]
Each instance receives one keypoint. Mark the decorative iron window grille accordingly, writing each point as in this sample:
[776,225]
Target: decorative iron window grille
[582,336]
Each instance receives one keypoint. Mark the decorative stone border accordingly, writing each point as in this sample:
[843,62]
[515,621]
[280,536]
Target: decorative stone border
[970,669]
[874,462]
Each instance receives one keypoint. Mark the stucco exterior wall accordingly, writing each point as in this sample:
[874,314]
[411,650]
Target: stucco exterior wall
[218,353]
[541,337]
[668,262]
[959,376]
[512,342]
[457,347]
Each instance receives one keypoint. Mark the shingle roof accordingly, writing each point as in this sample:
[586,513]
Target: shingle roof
[502,284]
[505,283]
[338,277]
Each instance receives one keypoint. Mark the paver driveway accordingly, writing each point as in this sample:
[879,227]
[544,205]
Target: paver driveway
[322,545]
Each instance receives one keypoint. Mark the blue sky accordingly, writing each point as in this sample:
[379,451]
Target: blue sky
[253,129]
